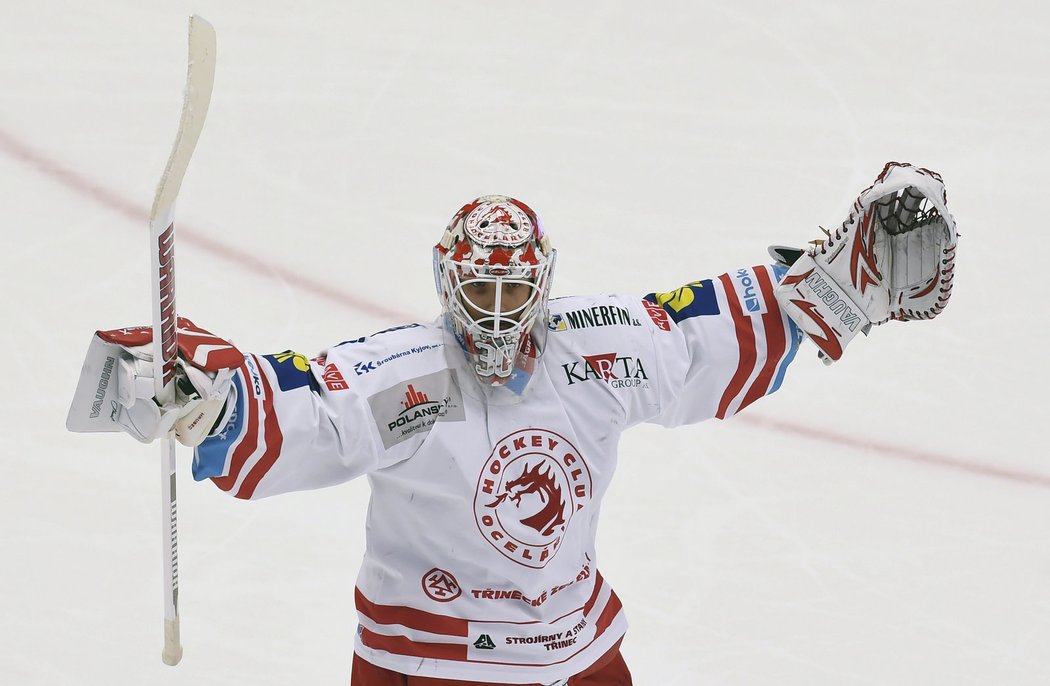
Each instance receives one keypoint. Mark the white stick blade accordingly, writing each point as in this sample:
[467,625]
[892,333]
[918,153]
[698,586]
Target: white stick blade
[200,78]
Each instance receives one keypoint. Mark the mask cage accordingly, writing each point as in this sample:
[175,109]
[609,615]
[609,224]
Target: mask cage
[492,337]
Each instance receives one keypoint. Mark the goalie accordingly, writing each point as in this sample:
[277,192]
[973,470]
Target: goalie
[489,435]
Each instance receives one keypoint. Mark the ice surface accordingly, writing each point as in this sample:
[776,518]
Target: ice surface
[884,521]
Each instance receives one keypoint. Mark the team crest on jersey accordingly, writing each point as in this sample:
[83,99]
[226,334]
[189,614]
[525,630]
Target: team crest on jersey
[618,371]
[440,585]
[413,407]
[530,488]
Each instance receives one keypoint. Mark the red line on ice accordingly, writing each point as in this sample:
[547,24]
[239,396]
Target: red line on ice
[893,450]
[80,183]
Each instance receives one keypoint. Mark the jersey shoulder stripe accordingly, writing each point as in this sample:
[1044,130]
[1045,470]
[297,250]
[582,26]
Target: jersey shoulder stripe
[240,459]
[775,340]
[246,444]
[272,438]
[745,337]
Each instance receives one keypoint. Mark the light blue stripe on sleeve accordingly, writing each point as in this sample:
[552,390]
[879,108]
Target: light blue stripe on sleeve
[796,338]
[209,458]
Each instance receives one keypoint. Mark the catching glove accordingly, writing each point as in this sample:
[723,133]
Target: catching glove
[116,389]
[893,258]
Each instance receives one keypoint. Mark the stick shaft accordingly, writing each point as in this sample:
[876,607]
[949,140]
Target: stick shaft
[200,77]
[172,651]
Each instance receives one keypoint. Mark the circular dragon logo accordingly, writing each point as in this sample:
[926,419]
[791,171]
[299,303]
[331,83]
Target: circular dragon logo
[530,487]
[501,223]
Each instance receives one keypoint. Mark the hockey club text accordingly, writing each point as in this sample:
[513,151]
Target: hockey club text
[616,370]
[599,315]
[532,484]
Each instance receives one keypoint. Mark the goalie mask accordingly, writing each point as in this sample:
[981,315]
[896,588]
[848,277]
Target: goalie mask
[493,268]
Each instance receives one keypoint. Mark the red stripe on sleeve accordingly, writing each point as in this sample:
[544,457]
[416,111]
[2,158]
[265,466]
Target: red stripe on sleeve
[410,617]
[745,338]
[399,645]
[598,583]
[776,340]
[608,615]
[250,440]
[274,440]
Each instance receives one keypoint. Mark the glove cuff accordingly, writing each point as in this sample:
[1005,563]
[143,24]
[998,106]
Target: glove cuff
[820,307]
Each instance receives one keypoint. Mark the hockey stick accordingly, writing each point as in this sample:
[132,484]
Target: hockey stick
[199,79]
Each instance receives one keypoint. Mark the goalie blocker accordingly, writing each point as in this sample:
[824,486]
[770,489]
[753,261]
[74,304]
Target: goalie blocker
[116,390]
[893,258]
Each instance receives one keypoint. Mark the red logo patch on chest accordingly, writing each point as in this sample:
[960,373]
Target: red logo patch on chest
[530,487]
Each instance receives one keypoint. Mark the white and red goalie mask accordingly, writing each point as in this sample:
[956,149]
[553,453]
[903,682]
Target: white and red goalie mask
[493,268]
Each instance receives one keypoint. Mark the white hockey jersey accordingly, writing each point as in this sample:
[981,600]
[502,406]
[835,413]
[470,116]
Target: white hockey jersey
[480,561]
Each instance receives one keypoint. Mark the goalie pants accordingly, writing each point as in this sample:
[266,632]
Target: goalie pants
[609,670]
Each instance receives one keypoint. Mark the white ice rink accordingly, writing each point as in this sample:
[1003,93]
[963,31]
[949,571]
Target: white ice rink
[884,521]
